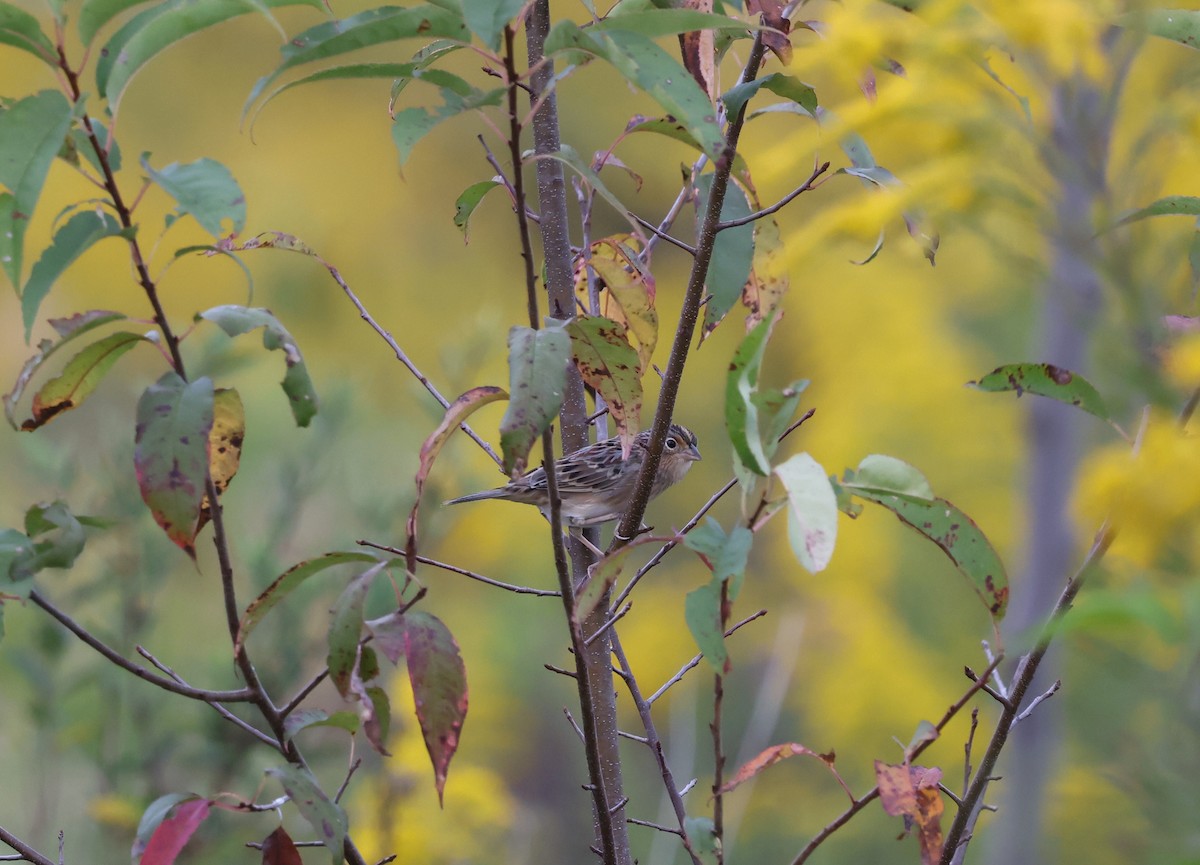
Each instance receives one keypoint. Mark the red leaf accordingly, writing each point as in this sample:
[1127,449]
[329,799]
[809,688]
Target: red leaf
[912,792]
[173,833]
[439,682]
[776,754]
[278,849]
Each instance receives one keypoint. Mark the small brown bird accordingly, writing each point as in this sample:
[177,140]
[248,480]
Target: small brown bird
[594,484]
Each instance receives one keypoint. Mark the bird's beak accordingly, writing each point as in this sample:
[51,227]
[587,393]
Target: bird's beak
[693,453]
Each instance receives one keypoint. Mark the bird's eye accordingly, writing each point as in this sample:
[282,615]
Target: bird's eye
[671,443]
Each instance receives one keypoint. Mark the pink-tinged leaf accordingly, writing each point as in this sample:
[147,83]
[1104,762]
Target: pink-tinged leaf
[388,632]
[455,415]
[155,813]
[629,285]
[285,584]
[607,362]
[345,628]
[912,792]
[326,817]
[170,454]
[439,682]
[79,378]
[374,710]
[279,849]
[776,754]
[812,511]
[173,833]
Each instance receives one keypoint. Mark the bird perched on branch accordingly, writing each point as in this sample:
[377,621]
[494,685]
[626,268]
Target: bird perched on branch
[594,484]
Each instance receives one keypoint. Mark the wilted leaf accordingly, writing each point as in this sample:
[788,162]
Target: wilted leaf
[326,818]
[537,368]
[53,538]
[236,320]
[345,628]
[1046,379]
[769,280]
[776,754]
[71,241]
[206,190]
[79,378]
[912,792]
[374,710]
[632,288]
[776,38]
[608,363]
[455,415]
[31,132]
[287,582]
[812,511]
[173,832]
[699,51]
[170,454]
[702,612]
[439,683]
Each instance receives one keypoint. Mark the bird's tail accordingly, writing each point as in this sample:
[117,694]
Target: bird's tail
[476,497]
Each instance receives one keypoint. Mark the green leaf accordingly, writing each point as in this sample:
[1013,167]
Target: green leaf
[373,27]
[470,199]
[1171,205]
[58,538]
[413,124]
[345,628]
[285,584]
[812,511]
[326,817]
[71,241]
[94,14]
[79,378]
[145,35]
[732,255]
[884,474]
[350,71]
[439,685]
[236,320]
[67,329]
[726,554]
[702,612]
[32,132]
[487,18]
[302,719]
[537,368]
[154,815]
[1048,380]
[644,64]
[779,84]
[206,190]
[21,30]
[657,22]
[703,835]
[608,363]
[741,411]
[958,537]
[1178,25]
[171,454]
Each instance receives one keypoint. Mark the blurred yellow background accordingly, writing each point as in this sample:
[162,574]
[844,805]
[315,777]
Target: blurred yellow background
[850,659]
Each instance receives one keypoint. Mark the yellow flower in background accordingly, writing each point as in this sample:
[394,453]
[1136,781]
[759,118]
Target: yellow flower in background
[1182,361]
[1151,498]
[1065,34]
[116,811]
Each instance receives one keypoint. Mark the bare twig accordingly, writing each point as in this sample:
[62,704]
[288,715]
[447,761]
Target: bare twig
[508,587]
[242,695]
[612,620]
[27,853]
[1033,704]
[658,232]
[661,828]
[779,205]
[698,658]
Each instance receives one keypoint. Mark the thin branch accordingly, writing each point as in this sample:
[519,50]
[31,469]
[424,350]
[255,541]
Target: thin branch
[27,853]
[673,212]
[658,232]
[661,828]
[1036,701]
[698,658]
[242,695]
[612,620]
[508,587]
[656,747]
[807,186]
[1022,678]
[346,781]
[308,688]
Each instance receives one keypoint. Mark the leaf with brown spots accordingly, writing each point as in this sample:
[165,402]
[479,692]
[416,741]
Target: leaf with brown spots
[607,362]
[630,288]
[326,817]
[224,444]
[439,684]
[1048,380]
[537,369]
[699,51]
[775,38]
[768,282]
[170,455]
[78,380]
[912,792]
